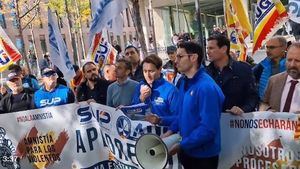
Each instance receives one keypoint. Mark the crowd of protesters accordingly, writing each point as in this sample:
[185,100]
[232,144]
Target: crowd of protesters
[183,94]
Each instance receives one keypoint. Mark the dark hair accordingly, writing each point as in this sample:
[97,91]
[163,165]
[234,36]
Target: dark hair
[171,49]
[46,55]
[86,64]
[128,65]
[131,46]
[76,68]
[118,48]
[221,41]
[154,59]
[192,47]
[15,68]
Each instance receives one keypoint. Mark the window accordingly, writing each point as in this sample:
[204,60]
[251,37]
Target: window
[125,39]
[19,44]
[127,17]
[40,19]
[149,17]
[111,37]
[2,21]
[43,43]
[119,39]
[87,23]
[130,36]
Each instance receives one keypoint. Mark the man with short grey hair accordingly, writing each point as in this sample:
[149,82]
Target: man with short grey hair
[273,64]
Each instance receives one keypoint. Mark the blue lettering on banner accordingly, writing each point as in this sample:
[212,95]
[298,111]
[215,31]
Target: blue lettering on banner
[3,59]
[101,54]
[98,13]
[85,114]
[233,37]
[92,136]
[117,148]
[110,165]
[262,8]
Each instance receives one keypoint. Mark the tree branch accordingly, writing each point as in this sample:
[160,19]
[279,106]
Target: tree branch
[28,22]
[29,10]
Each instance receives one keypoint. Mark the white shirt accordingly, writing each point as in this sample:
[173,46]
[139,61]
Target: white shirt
[295,104]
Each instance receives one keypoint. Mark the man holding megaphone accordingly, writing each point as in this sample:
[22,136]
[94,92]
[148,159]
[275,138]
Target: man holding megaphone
[198,122]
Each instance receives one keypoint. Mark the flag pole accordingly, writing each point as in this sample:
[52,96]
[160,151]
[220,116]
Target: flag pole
[199,23]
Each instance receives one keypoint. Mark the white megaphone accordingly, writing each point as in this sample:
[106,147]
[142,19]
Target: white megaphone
[152,151]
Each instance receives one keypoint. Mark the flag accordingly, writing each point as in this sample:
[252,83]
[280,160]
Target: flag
[102,51]
[104,12]
[270,16]
[58,52]
[116,25]
[9,54]
[238,26]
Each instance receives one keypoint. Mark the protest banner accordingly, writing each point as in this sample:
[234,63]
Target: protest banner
[83,136]
[71,136]
[260,140]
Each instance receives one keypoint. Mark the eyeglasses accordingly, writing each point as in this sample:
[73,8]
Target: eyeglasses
[272,47]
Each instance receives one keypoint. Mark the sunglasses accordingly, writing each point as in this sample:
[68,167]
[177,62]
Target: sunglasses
[49,74]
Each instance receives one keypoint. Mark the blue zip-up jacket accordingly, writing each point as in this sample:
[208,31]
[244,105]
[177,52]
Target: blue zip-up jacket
[198,122]
[263,71]
[59,96]
[163,100]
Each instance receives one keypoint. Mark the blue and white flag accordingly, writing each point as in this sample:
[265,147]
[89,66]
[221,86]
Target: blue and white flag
[104,12]
[116,25]
[58,52]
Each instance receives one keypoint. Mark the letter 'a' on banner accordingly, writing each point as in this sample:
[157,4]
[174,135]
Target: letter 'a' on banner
[270,15]
[9,54]
[101,52]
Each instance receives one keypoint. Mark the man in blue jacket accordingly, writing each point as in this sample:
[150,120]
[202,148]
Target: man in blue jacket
[52,94]
[198,122]
[273,64]
[155,91]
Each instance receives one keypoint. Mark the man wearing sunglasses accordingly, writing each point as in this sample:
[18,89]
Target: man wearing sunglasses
[52,94]
[273,64]
[19,99]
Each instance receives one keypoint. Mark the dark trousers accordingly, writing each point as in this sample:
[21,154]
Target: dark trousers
[198,163]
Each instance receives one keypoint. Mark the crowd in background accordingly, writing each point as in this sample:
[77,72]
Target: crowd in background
[183,94]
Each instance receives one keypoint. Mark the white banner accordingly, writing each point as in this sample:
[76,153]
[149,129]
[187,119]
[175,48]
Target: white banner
[82,136]
[71,136]
[260,140]
[58,51]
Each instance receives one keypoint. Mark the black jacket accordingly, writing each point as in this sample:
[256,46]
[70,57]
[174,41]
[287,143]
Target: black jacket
[238,85]
[100,89]
[138,74]
[6,103]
